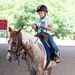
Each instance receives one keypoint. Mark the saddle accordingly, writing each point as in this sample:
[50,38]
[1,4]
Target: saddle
[43,35]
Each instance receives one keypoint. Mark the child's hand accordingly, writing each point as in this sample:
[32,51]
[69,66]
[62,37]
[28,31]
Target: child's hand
[33,26]
[44,26]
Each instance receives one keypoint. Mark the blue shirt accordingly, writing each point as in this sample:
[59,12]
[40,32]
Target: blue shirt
[40,22]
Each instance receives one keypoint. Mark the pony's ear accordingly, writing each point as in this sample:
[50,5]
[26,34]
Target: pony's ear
[10,29]
[19,30]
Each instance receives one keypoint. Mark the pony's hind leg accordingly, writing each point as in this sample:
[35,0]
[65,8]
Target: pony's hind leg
[31,73]
[47,72]
[40,72]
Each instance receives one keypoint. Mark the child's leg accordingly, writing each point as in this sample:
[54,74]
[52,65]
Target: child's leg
[54,47]
[52,43]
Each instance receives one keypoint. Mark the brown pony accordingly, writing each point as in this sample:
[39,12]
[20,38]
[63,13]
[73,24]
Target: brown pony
[36,54]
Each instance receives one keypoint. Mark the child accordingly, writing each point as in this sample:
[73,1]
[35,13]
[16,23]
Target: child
[44,24]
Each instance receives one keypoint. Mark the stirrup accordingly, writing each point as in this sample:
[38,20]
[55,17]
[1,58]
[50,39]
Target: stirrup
[47,63]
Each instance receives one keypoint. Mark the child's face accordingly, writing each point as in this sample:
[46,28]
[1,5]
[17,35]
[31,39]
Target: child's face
[41,14]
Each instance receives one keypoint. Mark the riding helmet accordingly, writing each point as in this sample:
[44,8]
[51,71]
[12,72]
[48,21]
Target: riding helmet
[42,8]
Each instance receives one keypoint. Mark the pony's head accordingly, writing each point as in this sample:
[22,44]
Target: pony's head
[15,43]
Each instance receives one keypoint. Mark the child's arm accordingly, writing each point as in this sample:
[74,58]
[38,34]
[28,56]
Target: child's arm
[34,26]
[49,27]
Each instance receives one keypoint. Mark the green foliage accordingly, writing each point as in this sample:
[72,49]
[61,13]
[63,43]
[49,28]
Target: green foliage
[23,13]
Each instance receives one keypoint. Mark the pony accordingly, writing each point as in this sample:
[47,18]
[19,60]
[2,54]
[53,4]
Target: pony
[34,52]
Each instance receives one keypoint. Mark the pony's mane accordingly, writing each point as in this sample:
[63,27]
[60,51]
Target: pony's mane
[28,37]
[37,47]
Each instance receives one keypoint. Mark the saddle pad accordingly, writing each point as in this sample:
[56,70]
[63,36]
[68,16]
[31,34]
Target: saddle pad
[47,48]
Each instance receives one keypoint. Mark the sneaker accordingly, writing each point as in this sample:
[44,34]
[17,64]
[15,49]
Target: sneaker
[58,59]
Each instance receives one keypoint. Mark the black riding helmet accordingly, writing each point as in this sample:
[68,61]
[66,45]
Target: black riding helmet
[42,8]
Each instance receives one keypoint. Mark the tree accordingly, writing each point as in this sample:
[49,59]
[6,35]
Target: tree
[23,13]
